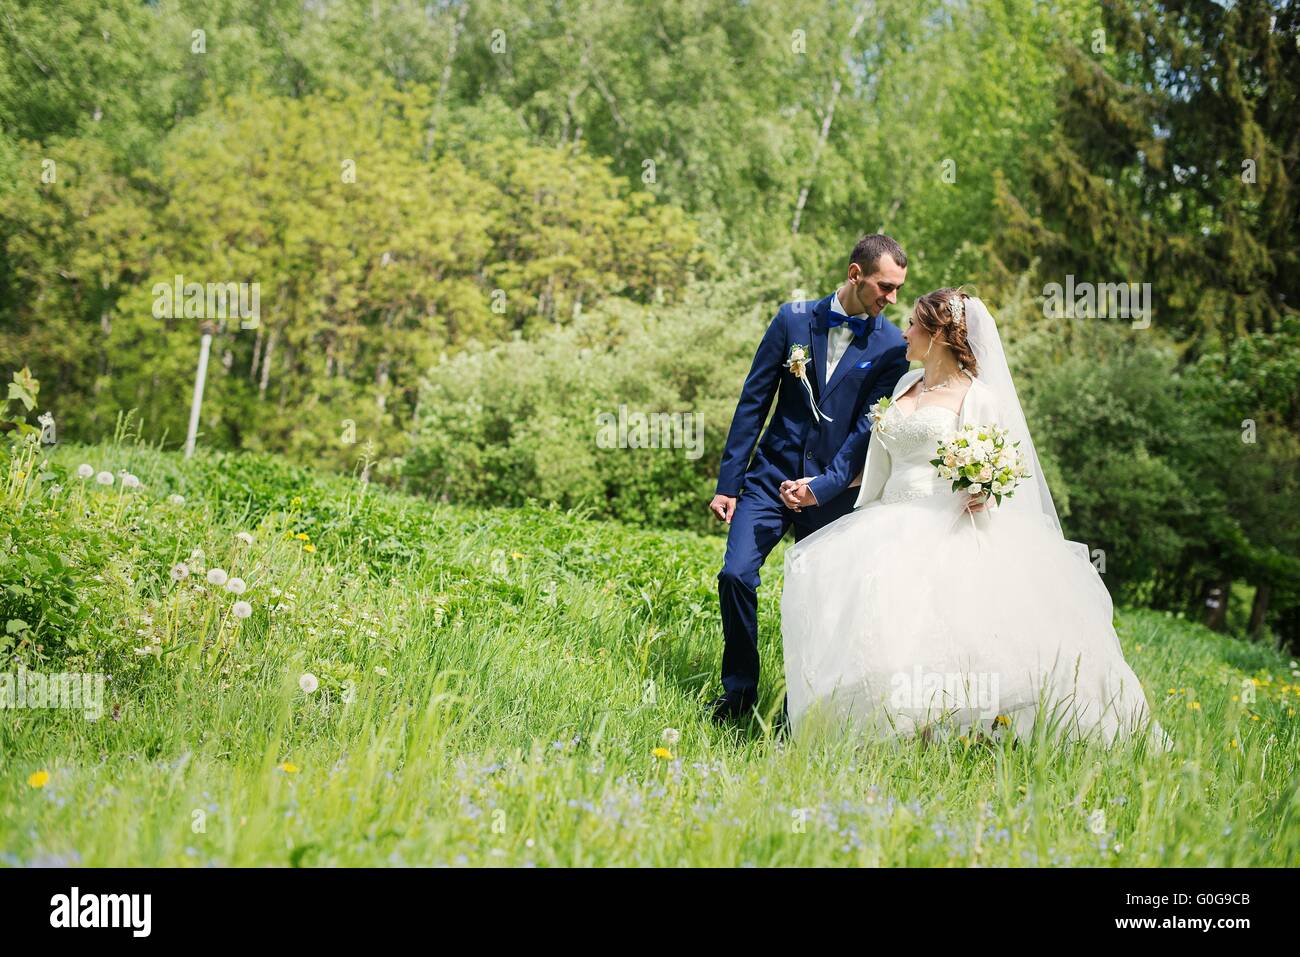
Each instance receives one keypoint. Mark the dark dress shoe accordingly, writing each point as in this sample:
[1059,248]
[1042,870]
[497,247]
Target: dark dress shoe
[730,707]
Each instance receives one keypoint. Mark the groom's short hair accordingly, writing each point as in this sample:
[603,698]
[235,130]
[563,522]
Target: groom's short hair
[870,248]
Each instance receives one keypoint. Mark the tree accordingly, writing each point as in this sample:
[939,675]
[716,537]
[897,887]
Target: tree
[1174,162]
[370,261]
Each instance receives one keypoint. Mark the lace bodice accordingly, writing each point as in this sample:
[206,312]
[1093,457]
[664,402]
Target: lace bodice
[911,440]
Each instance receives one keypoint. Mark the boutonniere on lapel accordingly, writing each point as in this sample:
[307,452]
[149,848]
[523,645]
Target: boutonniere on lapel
[877,413]
[798,362]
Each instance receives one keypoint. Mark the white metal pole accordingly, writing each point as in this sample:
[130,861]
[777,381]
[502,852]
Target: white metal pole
[200,377]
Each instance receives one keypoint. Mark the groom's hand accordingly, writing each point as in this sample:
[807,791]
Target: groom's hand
[796,494]
[723,506]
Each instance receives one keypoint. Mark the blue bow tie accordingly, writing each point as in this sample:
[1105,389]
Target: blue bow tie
[857,323]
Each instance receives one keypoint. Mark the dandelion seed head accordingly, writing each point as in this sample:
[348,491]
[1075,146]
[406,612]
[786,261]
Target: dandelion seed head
[216,576]
[241,609]
[85,471]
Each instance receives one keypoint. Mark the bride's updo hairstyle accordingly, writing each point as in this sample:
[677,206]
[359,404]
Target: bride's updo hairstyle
[942,314]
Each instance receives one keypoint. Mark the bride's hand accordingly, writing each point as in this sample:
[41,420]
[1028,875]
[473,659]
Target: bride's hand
[796,495]
[977,503]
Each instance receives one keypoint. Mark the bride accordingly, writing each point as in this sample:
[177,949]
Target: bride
[928,611]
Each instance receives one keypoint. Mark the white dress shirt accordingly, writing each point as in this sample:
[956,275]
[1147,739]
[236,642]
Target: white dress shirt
[837,339]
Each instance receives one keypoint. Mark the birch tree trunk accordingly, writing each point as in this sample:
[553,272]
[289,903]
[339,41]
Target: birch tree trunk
[445,80]
[824,134]
[266,363]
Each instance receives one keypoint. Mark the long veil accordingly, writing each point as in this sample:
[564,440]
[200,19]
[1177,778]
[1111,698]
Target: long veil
[1033,496]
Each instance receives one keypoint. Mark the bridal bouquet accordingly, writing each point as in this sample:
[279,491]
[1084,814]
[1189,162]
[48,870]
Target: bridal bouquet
[980,460]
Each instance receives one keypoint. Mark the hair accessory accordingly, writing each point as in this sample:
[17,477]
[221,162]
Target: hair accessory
[956,309]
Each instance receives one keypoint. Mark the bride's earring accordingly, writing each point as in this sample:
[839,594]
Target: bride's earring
[929,347]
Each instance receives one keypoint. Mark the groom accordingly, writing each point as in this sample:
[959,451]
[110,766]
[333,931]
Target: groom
[851,357]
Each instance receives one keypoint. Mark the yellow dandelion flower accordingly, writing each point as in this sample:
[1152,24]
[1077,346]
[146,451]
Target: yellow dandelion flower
[309,547]
[39,779]
[662,753]
[288,767]
[516,554]
[295,500]
[1002,719]
[1254,717]
[302,537]
[1234,697]
[1232,743]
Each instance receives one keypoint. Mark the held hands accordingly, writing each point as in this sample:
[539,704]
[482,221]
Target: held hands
[796,494]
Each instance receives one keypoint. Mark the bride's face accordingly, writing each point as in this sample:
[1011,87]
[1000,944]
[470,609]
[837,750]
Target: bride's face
[918,340]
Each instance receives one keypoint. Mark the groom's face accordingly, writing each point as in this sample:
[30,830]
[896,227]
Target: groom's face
[880,289]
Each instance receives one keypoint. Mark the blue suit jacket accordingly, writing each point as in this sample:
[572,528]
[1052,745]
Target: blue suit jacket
[795,443]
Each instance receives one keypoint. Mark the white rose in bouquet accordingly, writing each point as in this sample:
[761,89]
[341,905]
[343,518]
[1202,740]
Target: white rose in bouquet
[980,461]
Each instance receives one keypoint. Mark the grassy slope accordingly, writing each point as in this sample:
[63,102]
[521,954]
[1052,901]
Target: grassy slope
[512,672]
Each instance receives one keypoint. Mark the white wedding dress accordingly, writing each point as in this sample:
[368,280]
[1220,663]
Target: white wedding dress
[912,613]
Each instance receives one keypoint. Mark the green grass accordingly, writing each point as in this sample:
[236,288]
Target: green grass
[493,685]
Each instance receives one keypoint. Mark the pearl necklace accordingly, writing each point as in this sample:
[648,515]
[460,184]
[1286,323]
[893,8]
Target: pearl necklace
[942,385]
